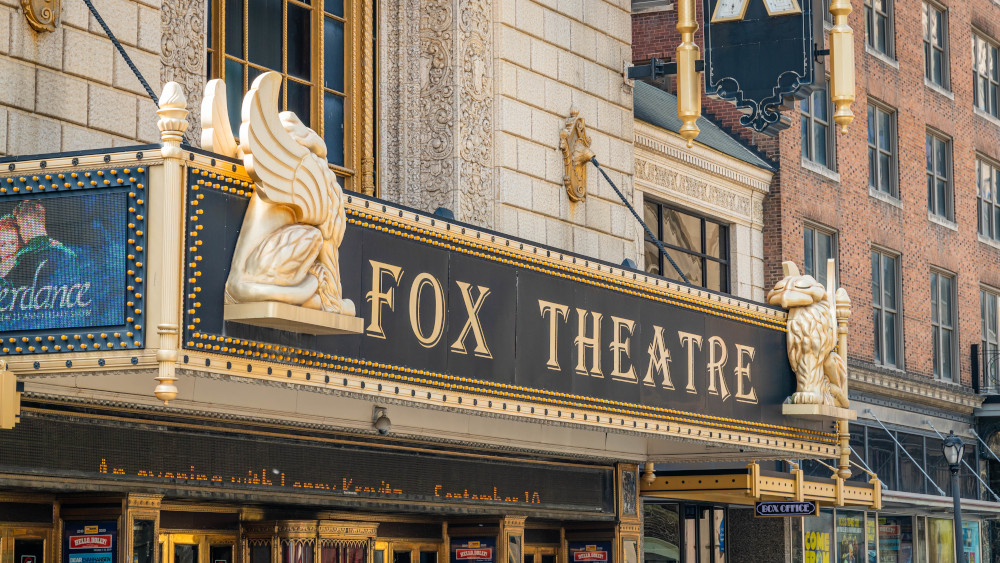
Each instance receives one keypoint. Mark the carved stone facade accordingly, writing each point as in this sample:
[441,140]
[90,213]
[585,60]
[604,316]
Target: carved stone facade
[183,54]
[711,184]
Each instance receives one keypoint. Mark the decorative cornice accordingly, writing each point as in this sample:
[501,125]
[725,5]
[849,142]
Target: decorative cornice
[672,146]
[902,386]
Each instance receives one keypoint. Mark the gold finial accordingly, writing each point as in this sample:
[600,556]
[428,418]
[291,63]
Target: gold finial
[173,116]
[688,79]
[841,64]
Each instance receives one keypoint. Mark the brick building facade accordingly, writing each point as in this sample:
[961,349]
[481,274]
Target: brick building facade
[920,78]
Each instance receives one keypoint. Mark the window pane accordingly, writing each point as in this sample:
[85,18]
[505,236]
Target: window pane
[333,54]
[946,356]
[299,40]
[335,7]
[820,105]
[652,258]
[935,301]
[234,91]
[681,229]
[876,280]
[713,276]
[877,322]
[889,338]
[882,456]
[889,282]
[689,264]
[809,262]
[819,144]
[333,127]
[910,478]
[265,48]
[234,33]
[947,315]
[805,137]
[884,173]
[298,100]
[884,129]
[712,240]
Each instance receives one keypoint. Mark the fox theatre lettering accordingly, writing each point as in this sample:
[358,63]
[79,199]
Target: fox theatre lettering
[492,318]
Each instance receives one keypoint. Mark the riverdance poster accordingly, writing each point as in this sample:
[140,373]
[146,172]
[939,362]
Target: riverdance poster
[62,260]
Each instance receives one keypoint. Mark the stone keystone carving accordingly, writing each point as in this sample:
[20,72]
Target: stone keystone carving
[288,250]
[575,146]
[817,336]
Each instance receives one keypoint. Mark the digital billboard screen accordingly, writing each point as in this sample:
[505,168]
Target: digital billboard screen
[70,258]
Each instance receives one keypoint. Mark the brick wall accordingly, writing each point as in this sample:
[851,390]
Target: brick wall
[69,89]
[842,200]
[555,55]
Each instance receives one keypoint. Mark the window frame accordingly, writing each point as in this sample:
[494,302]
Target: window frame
[990,104]
[878,308]
[809,120]
[938,328]
[893,167]
[725,230]
[871,15]
[935,175]
[359,67]
[989,229]
[989,348]
[817,230]
[930,46]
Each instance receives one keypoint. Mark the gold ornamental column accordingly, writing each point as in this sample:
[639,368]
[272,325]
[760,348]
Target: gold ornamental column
[511,548]
[688,79]
[628,531]
[841,64]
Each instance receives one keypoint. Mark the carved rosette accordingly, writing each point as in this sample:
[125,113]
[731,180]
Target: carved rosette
[42,15]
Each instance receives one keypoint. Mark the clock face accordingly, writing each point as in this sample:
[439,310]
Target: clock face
[730,10]
[782,7]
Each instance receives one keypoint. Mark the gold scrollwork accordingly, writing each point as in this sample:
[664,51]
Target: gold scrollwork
[575,145]
[42,15]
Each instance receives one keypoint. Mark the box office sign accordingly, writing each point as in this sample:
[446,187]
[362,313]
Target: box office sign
[490,317]
[71,261]
[89,542]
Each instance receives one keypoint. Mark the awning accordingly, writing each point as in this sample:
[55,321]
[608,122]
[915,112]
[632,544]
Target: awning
[752,485]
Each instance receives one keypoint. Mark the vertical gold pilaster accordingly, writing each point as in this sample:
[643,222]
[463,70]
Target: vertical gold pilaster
[688,79]
[166,223]
[841,64]
[511,527]
[628,532]
[843,312]
[367,97]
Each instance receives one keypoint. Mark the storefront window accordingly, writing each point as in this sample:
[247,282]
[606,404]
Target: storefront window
[871,531]
[937,466]
[661,543]
[858,455]
[970,485]
[850,536]
[895,539]
[882,456]
[819,538]
[970,542]
[911,479]
[941,540]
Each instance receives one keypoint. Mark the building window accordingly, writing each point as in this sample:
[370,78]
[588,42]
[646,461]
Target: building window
[939,198]
[881,149]
[935,45]
[820,245]
[943,323]
[699,246]
[316,47]
[990,338]
[818,137]
[878,26]
[827,16]
[885,305]
[985,74]
[988,178]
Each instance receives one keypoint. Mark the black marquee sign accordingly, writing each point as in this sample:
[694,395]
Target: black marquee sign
[761,54]
[499,321]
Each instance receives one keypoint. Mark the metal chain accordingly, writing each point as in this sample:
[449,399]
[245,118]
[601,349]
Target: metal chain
[128,60]
[656,241]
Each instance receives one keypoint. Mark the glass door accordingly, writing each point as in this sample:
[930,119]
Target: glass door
[29,545]
[704,534]
[407,552]
[196,548]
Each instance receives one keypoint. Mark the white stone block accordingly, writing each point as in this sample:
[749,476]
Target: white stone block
[572,8]
[122,17]
[557,29]
[558,97]
[515,46]
[77,138]
[17,84]
[555,166]
[545,197]
[585,242]
[570,69]
[596,15]
[531,226]
[149,66]
[89,56]
[75,14]
[3,131]
[545,59]
[598,214]
[530,19]
[587,104]
[530,158]
[146,129]
[150,29]
[530,88]
[506,220]
[29,134]
[45,49]
[61,96]
[112,111]
[6,15]
[508,12]
[558,233]
[610,249]
[506,150]
[507,78]
[583,39]
[509,183]
[515,117]
[545,128]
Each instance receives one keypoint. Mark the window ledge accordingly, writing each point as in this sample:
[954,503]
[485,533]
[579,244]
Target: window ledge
[886,59]
[939,220]
[884,197]
[821,170]
[939,89]
[992,119]
[988,241]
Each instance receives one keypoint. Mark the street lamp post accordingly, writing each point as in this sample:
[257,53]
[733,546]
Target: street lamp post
[953,449]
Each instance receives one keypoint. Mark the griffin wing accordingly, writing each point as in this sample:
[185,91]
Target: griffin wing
[216,131]
[285,172]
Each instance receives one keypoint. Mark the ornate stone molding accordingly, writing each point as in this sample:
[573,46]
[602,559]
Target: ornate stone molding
[667,179]
[575,146]
[42,15]
[182,53]
[476,130]
[437,103]
[902,386]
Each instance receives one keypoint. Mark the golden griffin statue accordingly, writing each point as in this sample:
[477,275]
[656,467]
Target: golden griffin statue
[288,247]
[817,336]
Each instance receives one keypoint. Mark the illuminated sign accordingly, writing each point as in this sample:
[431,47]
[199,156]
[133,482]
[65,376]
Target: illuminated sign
[759,54]
[478,550]
[89,543]
[254,460]
[71,261]
[487,319]
[583,552]
[782,509]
